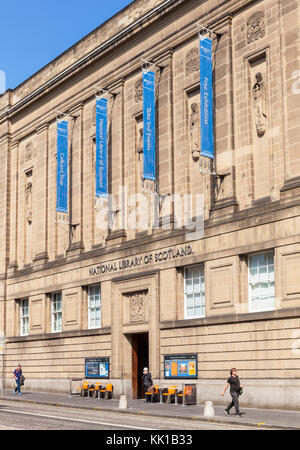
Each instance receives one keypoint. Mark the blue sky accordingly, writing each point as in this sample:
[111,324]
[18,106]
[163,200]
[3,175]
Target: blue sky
[34,32]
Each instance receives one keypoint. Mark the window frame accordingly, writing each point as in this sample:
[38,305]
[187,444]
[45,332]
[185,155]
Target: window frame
[23,317]
[201,292]
[251,307]
[54,314]
[93,309]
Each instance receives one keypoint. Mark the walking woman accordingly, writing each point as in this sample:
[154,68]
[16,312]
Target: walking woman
[235,391]
[18,376]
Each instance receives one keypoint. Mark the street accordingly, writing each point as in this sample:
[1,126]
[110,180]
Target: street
[23,416]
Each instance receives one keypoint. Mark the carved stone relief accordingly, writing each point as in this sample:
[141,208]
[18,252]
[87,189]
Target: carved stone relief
[28,152]
[139,150]
[137,308]
[138,91]
[259,104]
[28,196]
[195,131]
[192,63]
[255,27]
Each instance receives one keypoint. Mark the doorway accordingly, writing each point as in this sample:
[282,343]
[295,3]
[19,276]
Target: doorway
[140,359]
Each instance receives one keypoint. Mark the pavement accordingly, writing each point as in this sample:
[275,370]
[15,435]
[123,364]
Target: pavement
[252,417]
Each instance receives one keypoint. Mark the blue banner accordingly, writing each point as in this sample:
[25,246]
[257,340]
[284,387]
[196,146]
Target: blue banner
[149,125]
[206,98]
[101,147]
[62,167]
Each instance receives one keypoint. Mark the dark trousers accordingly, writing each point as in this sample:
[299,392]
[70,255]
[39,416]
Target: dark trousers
[18,387]
[234,402]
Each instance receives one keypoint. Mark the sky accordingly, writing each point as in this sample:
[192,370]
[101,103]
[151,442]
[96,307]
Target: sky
[34,32]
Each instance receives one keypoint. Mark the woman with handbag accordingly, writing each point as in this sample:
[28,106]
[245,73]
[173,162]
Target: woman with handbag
[147,380]
[19,379]
[236,389]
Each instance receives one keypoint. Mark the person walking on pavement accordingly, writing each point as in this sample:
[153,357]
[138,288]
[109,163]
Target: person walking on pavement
[235,391]
[18,375]
[146,379]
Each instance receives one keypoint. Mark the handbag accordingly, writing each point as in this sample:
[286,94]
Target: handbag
[22,379]
[241,391]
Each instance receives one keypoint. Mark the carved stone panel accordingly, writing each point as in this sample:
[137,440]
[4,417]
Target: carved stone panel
[259,104]
[195,131]
[256,26]
[192,62]
[137,306]
[28,197]
[28,152]
[138,91]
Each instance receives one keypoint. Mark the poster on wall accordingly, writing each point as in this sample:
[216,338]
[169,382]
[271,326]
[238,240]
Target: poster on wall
[97,368]
[180,366]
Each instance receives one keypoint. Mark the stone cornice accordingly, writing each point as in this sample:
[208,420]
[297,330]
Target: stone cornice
[212,19]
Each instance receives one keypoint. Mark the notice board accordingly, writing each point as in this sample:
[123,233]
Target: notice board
[180,366]
[97,368]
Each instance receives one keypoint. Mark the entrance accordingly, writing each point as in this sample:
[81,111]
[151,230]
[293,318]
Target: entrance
[140,359]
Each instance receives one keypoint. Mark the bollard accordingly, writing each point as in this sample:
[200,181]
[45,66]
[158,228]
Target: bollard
[123,402]
[209,409]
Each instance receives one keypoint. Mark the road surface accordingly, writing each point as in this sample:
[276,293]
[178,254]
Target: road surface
[22,416]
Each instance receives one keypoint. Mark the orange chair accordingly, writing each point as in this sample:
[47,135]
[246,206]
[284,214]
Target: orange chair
[84,389]
[94,390]
[152,396]
[169,396]
[107,392]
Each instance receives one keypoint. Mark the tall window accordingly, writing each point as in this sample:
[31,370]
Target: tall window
[261,282]
[24,316]
[56,312]
[94,307]
[194,292]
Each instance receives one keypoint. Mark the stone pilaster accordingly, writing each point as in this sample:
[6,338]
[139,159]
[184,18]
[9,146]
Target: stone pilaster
[40,193]
[224,182]
[13,235]
[76,181]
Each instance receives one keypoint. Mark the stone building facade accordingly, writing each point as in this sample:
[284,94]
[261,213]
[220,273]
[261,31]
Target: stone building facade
[71,289]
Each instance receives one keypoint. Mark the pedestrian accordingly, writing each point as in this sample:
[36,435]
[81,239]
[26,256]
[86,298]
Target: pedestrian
[18,378]
[146,379]
[235,391]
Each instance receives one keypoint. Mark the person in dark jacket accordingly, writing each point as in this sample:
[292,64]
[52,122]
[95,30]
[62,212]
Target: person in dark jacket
[235,391]
[146,379]
[17,375]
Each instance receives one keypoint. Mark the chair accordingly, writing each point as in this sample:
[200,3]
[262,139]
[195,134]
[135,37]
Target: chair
[94,390]
[107,392]
[91,390]
[169,396]
[152,396]
[84,389]
[96,393]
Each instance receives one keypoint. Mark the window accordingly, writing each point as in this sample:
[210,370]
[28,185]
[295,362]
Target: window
[194,293]
[94,307]
[56,304]
[24,316]
[261,282]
